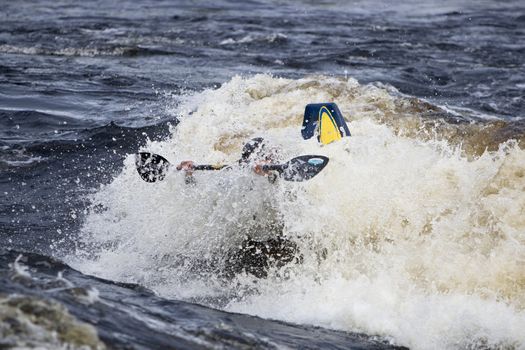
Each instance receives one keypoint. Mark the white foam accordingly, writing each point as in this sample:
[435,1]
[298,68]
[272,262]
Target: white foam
[67,51]
[269,38]
[424,245]
[28,161]
[19,270]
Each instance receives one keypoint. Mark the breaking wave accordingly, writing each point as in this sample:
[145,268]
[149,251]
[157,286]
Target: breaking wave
[414,232]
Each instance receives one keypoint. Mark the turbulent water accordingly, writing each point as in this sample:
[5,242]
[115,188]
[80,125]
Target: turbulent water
[413,235]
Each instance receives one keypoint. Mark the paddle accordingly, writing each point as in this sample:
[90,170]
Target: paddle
[153,167]
[300,168]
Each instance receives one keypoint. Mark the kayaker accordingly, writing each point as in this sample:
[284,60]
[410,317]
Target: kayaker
[255,154]
[255,256]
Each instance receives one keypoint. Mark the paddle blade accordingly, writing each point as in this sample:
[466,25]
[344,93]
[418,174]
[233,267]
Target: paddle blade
[303,168]
[151,167]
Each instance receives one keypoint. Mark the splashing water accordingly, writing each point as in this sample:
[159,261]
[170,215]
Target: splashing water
[415,230]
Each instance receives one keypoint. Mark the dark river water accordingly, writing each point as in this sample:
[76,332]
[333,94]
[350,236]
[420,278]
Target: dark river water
[434,93]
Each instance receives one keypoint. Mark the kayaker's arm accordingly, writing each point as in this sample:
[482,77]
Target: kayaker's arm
[259,170]
[188,166]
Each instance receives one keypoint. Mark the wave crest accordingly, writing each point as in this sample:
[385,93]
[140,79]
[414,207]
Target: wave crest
[414,230]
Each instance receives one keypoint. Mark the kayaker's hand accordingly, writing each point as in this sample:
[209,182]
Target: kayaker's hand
[258,169]
[188,167]
[271,175]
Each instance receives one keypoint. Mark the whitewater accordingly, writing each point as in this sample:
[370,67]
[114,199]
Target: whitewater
[413,233]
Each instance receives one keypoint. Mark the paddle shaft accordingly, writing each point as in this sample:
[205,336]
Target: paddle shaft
[209,167]
[277,167]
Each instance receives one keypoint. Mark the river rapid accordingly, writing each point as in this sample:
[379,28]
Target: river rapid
[412,236]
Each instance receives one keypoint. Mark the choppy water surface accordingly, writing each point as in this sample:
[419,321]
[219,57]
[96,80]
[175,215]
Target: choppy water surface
[414,235]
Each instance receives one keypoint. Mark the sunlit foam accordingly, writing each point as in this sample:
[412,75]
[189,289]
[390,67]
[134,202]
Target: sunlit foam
[405,234]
